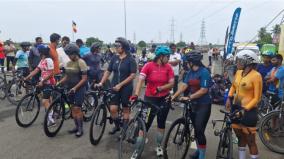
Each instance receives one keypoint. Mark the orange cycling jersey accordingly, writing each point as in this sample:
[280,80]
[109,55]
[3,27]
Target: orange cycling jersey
[247,89]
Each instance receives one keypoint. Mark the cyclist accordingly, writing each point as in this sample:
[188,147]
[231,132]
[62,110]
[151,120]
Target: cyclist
[47,80]
[75,79]
[198,81]
[245,93]
[10,53]
[84,50]
[21,59]
[160,80]
[54,41]
[93,61]
[63,58]
[124,68]
[34,57]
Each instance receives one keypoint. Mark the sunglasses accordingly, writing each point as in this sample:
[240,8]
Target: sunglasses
[117,46]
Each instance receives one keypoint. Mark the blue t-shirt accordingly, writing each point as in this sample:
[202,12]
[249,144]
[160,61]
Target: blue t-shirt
[22,59]
[84,50]
[264,70]
[277,86]
[199,79]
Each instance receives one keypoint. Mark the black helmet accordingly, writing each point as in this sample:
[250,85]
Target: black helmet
[72,49]
[194,56]
[43,50]
[124,43]
[25,44]
[95,45]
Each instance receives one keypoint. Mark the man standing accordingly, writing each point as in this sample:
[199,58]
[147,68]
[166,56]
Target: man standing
[84,50]
[175,59]
[54,41]
[63,58]
[34,57]
[10,53]
[210,52]
[151,54]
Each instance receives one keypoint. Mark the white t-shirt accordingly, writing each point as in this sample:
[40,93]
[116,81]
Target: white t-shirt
[63,58]
[210,52]
[174,57]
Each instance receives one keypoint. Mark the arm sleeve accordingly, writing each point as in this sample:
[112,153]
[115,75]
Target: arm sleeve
[280,73]
[205,80]
[257,86]
[233,87]
[18,54]
[83,67]
[133,66]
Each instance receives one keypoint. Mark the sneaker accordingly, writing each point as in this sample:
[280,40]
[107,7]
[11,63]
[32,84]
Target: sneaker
[114,130]
[159,151]
[146,140]
[134,155]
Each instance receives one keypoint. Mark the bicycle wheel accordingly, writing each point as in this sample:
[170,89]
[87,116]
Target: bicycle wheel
[53,119]
[271,131]
[131,145]
[264,108]
[27,110]
[15,92]
[90,103]
[2,88]
[177,140]
[98,124]
[225,146]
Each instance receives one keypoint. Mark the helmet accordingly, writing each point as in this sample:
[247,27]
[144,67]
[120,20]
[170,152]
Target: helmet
[162,50]
[194,56]
[188,50]
[125,44]
[43,49]
[268,50]
[72,49]
[25,44]
[95,45]
[247,57]
[230,57]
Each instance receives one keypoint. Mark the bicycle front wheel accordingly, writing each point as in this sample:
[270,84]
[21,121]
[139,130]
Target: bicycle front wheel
[27,110]
[271,131]
[132,139]
[225,147]
[2,88]
[53,119]
[177,140]
[90,103]
[98,125]
[15,92]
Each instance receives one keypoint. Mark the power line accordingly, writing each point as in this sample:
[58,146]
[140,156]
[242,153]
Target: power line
[172,30]
[202,40]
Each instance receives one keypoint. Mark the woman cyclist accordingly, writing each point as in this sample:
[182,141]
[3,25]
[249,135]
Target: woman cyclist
[197,80]
[245,93]
[160,80]
[75,79]
[124,68]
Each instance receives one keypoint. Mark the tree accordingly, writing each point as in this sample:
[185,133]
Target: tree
[142,44]
[181,44]
[276,29]
[92,40]
[264,37]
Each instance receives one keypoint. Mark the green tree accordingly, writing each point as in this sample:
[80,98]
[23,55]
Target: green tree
[276,29]
[142,44]
[92,40]
[264,37]
[181,44]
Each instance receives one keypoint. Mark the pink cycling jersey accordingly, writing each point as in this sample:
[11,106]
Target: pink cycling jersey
[156,76]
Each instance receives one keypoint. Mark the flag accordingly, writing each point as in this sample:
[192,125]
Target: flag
[74,27]
[233,30]
[226,40]
[281,42]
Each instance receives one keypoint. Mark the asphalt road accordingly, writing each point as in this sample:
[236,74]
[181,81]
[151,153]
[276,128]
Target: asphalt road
[31,143]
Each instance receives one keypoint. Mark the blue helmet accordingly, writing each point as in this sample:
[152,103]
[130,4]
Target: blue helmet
[162,50]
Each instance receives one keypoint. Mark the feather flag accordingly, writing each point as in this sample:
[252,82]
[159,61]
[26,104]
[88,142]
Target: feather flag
[74,27]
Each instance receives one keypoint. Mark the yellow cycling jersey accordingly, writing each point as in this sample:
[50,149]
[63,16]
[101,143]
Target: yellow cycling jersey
[247,89]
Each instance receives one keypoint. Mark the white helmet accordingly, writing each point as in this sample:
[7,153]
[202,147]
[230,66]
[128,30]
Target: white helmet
[247,57]
[230,57]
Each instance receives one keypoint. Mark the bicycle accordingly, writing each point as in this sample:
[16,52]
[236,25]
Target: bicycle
[99,119]
[271,129]
[225,146]
[265,106]
[182,134]
[137,125]
[28,107]
[89,105]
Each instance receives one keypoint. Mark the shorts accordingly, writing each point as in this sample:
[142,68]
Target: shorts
[25,71]
[77,98]
[122,96]
[249,118]
[46,91]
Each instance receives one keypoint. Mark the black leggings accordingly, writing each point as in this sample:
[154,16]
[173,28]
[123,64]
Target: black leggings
[161,115]
[200,117]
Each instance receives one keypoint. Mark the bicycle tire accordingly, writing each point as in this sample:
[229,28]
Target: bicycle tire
[12,98]
[186,136]
[2,88]
[225,142]
[88,108]
[129,136]
[31,98]
[58,111]
[94,140]
[265,136]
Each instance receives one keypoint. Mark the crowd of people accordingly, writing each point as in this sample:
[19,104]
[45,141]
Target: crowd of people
[160,70]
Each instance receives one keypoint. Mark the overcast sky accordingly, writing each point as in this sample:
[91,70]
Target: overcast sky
[149,19]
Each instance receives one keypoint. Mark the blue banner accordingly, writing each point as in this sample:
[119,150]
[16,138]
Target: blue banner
[233,30]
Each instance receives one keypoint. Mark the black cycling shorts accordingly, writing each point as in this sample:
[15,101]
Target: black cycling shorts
[77,98]
[122,96]
[46,91]
[248,119]
[25,70]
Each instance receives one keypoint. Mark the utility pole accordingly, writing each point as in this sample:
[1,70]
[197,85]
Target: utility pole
[180,37]
[134,38]
[160,37]
[125,34]
[202,39]
[172,30]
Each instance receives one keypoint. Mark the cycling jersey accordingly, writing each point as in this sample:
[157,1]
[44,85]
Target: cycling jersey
[22,59]
[74,72]
[93,61]
[54,57]
[84,50]
[46,67]
[264,70]
[247,89]
[199,79]
[278,84]
[156,76]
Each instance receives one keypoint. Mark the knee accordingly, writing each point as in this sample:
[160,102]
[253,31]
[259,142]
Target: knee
[113,109]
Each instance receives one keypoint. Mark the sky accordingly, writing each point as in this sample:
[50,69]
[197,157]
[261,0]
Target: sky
[148,20]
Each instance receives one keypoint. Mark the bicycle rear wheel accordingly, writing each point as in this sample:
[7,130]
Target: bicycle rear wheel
[53,119]
[2,88]
[16,92]
[89,105]
[27,110]
[177,140]
[271,131]
[225,146]
[98,124]
[132,140]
